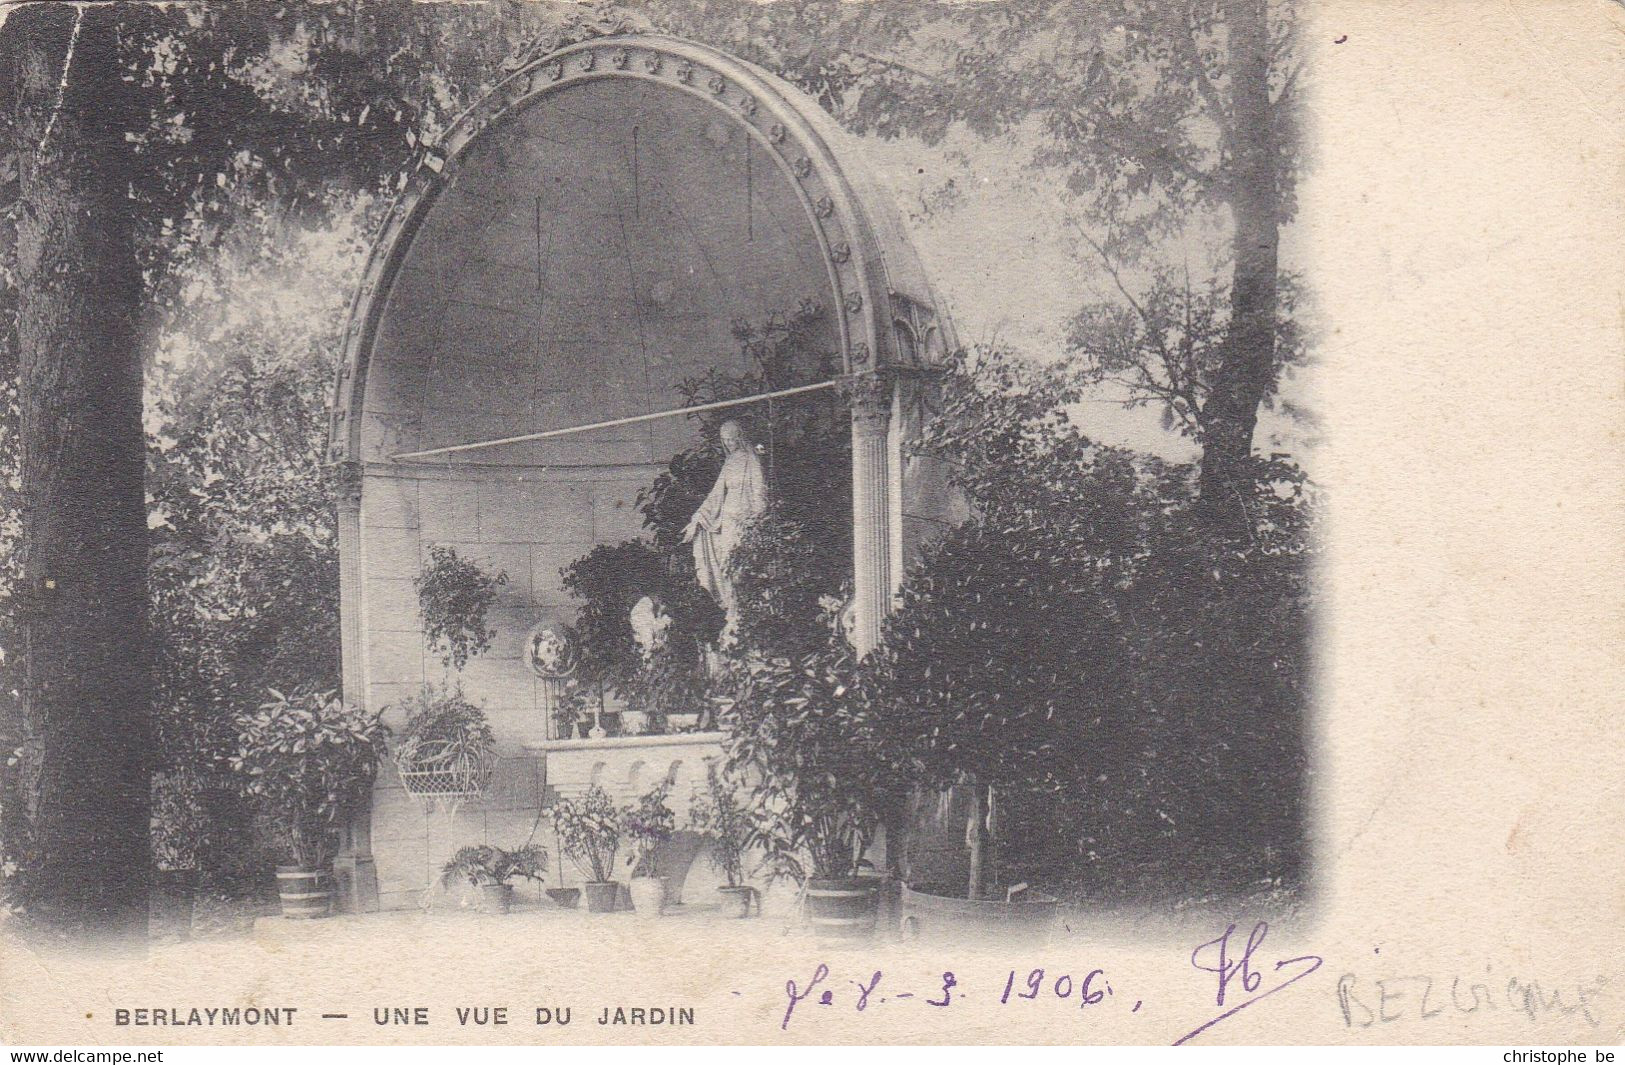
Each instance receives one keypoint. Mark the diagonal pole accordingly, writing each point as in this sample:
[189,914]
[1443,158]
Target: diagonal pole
[419,456]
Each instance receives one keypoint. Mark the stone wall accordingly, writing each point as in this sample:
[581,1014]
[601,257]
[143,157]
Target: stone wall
[527,523]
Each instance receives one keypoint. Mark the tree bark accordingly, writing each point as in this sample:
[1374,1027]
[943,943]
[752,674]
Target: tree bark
[86,678]
[1247,374]
[977,840]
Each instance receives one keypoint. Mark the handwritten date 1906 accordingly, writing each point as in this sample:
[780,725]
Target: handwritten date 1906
[1087,990]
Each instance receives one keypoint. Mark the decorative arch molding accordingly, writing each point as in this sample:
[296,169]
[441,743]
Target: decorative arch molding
[886,316]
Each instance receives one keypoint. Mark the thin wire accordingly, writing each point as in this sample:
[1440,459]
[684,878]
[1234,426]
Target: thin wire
[414,456]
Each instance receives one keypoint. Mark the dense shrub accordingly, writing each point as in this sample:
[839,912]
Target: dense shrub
[1092,636]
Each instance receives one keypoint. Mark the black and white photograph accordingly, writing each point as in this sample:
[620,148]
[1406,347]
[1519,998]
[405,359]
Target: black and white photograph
[760,521]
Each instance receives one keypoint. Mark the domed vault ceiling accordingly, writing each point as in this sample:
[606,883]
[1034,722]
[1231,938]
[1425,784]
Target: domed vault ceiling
[592,252]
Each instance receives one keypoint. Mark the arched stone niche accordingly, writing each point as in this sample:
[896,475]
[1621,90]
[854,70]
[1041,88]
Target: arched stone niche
[579,242]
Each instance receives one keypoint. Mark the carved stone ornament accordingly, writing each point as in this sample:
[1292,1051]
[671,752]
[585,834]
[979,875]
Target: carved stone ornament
[776,132]
[588,60]
[651,62]
[621,58]
[685,72]
[716,84]
[347,483]
[853,302]
[870,397]
[555,70]
[824,207]
[803,167]
[860,353]
[747,104]
[840,251]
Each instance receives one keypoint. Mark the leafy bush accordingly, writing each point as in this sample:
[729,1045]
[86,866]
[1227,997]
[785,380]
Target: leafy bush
[716,811]
[784,572]
[1093,635]
[454,594]
[482,864]
[805,731]
[609,580]
[307,758]
[589,831]
[648,823]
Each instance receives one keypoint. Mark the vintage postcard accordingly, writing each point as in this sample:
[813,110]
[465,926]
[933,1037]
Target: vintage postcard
[768,522]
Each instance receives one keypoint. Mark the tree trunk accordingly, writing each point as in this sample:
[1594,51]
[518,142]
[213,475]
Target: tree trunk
[1247,375]
[977,840]
[84,531]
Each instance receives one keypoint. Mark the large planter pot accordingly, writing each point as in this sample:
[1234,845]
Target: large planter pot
[602,895]
[933,912]
[306,893]
[648,895]
[736,901]
[843,908]
[496,898]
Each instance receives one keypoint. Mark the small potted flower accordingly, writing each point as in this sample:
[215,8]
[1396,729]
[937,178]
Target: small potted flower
[716,811]
[491,868]
[589,831]
[648,823]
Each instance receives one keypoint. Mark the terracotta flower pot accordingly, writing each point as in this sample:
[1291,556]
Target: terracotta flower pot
[648,895]
[496,898]
[602,895]
[736,901]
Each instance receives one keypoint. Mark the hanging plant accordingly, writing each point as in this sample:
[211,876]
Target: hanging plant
[454,594]
[446,747]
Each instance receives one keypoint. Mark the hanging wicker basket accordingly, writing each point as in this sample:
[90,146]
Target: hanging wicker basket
[444,769]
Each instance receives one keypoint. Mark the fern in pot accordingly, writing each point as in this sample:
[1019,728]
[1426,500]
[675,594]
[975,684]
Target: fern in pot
[492,869]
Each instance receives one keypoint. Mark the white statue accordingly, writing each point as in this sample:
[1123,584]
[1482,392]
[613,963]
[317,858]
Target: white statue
[649,624]
[739,495]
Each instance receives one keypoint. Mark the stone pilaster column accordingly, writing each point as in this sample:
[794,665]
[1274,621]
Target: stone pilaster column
[871,508]
[350,634]
[354,869]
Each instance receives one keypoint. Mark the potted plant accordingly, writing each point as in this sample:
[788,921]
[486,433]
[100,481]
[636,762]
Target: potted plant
[454,595]
[491,868]
[578,708]
[648,823]
[715,810]
[307,758]
[589,831]
[446,746]
[803,728]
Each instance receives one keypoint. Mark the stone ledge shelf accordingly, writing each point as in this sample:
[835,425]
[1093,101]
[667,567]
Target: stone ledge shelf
[627,766]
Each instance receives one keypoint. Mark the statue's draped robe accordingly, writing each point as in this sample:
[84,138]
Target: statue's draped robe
[738,496]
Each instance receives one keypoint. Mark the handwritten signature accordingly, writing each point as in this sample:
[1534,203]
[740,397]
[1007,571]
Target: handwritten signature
[1217,956]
